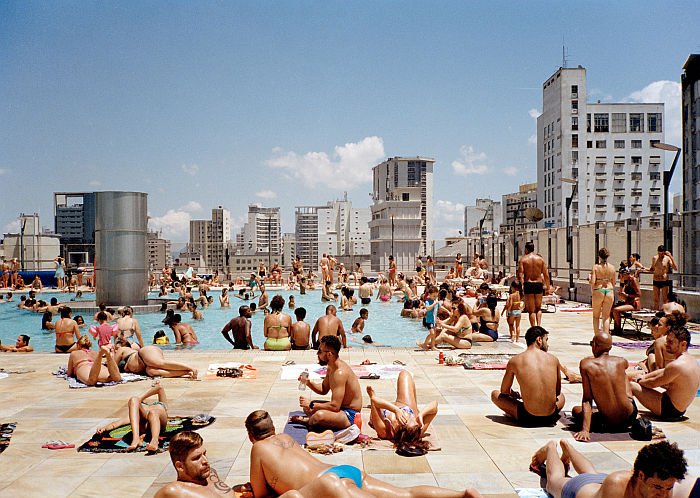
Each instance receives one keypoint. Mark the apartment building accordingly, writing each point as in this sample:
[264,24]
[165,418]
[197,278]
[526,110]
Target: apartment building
[74,222]
[601,155]
[210,238]
[690,90]
[486,209]
[262,233]
[158,251]
[401,212]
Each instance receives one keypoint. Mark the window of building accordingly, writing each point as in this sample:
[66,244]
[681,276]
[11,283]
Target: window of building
[652,143]
[396,174]
[600,144]
[601,122]
[636,159]
[574,105]
[619,208]
[574,123]
[636,176]
[574,90]
[619,122]
[589,144]
[574,140]
[574,156]
[414,171]
[636,144]
[619,144]
[636,121]
[405,196]
[655,175]
[654,122]
[588,122]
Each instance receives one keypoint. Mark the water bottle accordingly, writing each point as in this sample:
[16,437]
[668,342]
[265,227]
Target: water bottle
[304,378]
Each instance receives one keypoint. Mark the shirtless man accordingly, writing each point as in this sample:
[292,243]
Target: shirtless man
[341,381]
[21,345]
[365,291]
[278,464]
[329,324]
[264,299]
[239,327]
[537,373]
[681,379]
[301,331]
[532,271]
[661,265]
[605,382]
[657,468]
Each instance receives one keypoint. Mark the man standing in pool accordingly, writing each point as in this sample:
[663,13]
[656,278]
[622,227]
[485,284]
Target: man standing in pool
[329,324]
[533,273]
[341,381]
[239,327]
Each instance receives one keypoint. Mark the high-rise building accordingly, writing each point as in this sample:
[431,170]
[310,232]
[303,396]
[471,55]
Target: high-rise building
[210,238]
[690,89]
[601,152]
[158,251]
[337,229]
[74,222]
[402,211]
[289,248]
[262,232]
[514,206]
[486,209]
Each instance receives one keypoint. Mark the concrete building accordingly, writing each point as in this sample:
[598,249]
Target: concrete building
[262,232]
[157,251]
[210,238]
[74,222]
[605,148]
[289,250]
[690,89]
[488,210]
[402,211]
[35,249]
[514,206]
[337,229]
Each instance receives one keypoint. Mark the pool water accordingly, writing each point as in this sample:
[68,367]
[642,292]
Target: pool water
[384,324]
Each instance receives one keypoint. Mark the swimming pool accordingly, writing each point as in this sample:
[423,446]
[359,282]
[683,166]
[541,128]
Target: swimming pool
[384,323]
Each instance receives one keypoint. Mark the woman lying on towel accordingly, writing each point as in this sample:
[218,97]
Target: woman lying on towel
[144,415]
[400,421]
[86,365]
[149,360]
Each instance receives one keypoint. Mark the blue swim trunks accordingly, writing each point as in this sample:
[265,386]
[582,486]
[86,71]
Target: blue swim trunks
[347,472]
[573,485]
[350,413]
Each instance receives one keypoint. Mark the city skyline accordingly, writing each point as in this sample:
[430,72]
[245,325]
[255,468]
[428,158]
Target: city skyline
[293,104]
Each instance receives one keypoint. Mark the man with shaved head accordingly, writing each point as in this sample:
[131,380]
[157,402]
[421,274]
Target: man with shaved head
[605,383]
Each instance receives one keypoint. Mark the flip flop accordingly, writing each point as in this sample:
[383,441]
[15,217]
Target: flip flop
[399,362]
[372,376]
[289,362]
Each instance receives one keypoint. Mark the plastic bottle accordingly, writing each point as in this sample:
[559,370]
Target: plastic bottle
[304,378]
[441,358]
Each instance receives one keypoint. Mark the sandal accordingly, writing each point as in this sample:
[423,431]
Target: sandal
[399,362]
[289,362]
[372,376]
[367,362]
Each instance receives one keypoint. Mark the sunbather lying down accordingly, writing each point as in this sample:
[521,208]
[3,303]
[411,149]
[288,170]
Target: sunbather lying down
[144,416]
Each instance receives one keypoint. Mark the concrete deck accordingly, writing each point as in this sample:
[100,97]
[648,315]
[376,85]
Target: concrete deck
[479,447]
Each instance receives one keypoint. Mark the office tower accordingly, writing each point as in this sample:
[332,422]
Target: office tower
[210,238]
[74,221]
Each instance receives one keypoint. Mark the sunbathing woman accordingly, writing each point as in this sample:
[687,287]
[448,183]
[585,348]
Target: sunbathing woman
[458,335]
[142,416]
[86,365]
[149,360]
[400,421]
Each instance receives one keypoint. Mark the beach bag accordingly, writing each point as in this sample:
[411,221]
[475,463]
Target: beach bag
[642,429]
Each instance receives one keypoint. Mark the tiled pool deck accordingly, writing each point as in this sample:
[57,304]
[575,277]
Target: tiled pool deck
[479,447]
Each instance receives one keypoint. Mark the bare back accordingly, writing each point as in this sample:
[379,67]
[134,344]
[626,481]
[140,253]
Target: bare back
[533,268]
[537,373]
[300,333]
[343,379]
[684,375]
[605,380]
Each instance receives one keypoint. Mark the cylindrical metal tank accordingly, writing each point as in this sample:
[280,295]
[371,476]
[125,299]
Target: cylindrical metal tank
[121,268]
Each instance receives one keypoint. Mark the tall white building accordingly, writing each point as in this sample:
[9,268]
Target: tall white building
[289,248]
[402,211]
[158,251]
[262,232]
[604,149]
[210,238]
[337,229]
[486,209]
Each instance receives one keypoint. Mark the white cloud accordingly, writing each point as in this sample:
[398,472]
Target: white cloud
[471,162]
[191,207]
[532,139]
[190,169]
[175,223]
[534,113]
[448,219]
[12,227]
[510,171]
[4,171]
[668,92]
[266,194]
[350,166]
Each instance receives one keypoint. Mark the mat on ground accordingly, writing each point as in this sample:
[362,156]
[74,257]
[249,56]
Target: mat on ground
[249,372]
[298,431]
[486,361]
[118,439]
[73,383]
[643,345]
[317,372]
[6,431]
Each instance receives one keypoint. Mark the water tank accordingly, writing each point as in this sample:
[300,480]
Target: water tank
[121,264]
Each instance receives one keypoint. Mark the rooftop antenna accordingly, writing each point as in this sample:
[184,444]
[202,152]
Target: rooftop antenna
[564,55]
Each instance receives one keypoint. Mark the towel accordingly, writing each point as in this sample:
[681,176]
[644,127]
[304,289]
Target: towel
[73,383]
[486,361]
[317,372]
[249,372]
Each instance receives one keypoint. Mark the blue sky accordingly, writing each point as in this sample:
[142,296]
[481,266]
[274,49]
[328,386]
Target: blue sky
[203,104]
